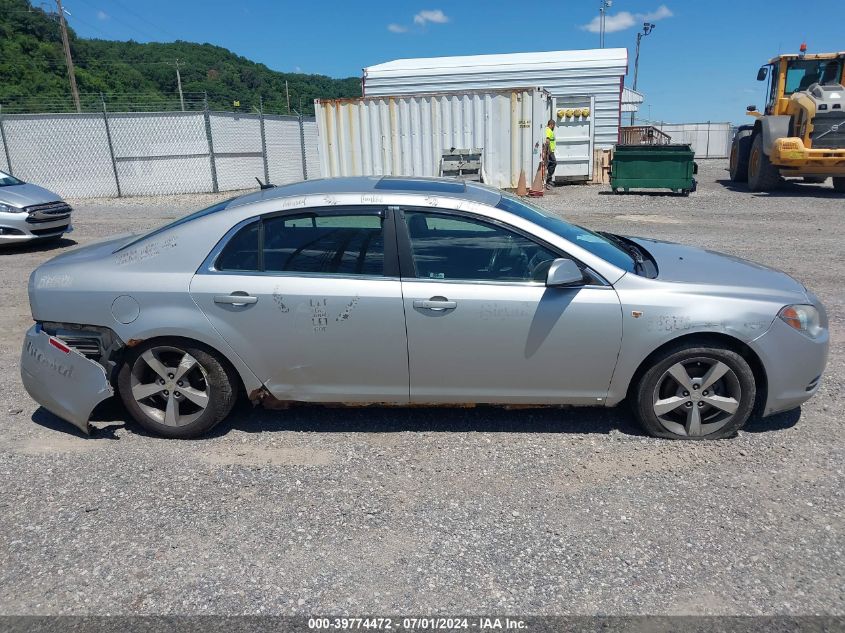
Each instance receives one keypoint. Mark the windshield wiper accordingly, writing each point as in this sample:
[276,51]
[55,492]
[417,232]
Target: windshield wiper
[632,250]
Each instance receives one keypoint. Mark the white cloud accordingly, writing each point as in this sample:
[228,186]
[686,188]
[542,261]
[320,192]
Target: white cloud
[397,28]
[102,15]
[431,15]
[662,12]
[625,20]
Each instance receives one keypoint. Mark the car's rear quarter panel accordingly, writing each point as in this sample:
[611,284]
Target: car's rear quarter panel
[156,273]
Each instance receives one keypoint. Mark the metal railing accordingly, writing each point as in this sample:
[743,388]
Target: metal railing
[643,135]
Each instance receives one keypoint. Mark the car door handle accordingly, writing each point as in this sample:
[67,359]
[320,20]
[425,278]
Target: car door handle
[435,303]
[236,299]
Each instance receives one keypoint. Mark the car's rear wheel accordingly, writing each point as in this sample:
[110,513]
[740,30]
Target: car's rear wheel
[176,389]
[694,392]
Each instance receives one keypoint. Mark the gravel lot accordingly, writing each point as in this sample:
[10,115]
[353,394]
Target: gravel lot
[440,511]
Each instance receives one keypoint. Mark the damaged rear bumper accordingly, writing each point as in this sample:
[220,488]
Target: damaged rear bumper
[60,379]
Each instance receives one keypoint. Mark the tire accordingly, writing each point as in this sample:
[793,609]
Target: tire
[814,180]
[740,151]
[839,184]
[152,394]
[658,389]
[762,175]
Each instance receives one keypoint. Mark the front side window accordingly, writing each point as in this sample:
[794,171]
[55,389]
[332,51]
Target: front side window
[803,73]
[335,244]
[448,247]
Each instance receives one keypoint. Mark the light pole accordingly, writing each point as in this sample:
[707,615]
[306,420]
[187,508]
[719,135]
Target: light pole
[604,5]
[648,27]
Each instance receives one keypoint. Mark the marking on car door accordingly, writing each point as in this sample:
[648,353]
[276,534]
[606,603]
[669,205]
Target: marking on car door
[279,300]
[347,312]
[319,314]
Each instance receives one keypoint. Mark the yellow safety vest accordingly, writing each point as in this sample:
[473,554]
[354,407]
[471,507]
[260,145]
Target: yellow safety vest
[550,136]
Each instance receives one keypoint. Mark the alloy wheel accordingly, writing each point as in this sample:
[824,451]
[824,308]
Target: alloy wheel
[696,397]
[170,386]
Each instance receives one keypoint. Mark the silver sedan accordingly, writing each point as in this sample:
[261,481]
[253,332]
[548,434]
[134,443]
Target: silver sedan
[29,212]
[403,291]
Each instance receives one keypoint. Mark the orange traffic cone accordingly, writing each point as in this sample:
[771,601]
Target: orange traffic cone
[521,189]
[539,181]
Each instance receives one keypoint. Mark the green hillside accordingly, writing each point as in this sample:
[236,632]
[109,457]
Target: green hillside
[33,75]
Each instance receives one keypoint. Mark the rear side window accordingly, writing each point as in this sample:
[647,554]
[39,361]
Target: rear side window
[241,253]
[341,244]
[333,244]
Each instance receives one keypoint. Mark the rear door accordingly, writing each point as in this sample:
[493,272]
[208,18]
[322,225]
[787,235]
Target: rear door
[482,325]
[312,302]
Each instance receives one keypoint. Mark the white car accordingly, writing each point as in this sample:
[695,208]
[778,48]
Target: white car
[29,212]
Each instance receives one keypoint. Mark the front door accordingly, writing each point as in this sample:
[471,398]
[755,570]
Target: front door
[312,303]
[483,327]
[574,138]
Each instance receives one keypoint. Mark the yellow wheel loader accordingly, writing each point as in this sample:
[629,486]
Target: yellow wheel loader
[801,132]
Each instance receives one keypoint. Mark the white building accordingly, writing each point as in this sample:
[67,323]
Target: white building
[586,86]
[631,101]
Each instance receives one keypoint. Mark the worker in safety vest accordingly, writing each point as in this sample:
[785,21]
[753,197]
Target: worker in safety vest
[550,152]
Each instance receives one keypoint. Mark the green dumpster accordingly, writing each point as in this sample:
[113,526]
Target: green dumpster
[653,167]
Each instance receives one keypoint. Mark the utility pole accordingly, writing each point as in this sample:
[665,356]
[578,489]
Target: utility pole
[66,44]
[179,85]
[648,27]
[287,95]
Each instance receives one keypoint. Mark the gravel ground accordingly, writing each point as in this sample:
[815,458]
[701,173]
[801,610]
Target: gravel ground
[440,511]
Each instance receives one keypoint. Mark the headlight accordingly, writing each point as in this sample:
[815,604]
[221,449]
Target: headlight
[803,318]
[7,208]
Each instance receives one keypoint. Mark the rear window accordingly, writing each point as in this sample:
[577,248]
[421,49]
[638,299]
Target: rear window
[183,220]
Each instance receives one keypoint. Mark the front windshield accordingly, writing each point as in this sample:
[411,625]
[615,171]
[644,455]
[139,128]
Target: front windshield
[588,240]
[803,73]
[7,180]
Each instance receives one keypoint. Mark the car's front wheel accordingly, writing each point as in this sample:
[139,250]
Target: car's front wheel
[176,389]
[695,392]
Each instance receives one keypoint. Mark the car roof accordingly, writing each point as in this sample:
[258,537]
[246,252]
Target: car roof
[446,187]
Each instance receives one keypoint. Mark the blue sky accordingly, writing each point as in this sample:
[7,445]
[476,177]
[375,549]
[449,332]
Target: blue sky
[698,64]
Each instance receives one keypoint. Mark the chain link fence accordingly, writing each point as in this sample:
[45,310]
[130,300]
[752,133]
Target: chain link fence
[157,153]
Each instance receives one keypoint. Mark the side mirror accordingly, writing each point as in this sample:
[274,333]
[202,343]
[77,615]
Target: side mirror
[762,73]
[751,108]
[564,272]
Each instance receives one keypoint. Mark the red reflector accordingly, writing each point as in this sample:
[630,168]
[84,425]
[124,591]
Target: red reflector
[59,345]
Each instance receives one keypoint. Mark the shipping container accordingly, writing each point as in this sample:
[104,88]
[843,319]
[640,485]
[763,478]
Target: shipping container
[579,80]
[409,135]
